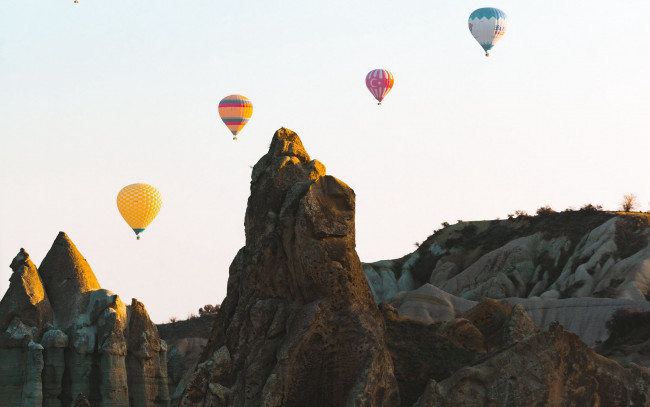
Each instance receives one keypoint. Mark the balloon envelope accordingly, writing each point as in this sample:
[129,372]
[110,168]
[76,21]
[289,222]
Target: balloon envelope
[235,110]
[488,25]
[379,83]
[139,204]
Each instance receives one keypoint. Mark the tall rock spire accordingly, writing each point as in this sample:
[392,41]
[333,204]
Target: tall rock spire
[68,279]
[299,326]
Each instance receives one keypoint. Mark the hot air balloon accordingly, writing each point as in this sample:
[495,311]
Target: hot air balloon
[235,110]
[139,204]
[488,25]
[379,83]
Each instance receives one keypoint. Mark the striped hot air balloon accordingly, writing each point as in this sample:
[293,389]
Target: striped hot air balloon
[488,25]
[235,110]
[139,204]
[379,82]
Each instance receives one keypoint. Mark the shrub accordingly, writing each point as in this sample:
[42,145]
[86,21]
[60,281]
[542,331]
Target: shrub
[545,211]
[629,202]
[209,309]
[627,321]
[591,208]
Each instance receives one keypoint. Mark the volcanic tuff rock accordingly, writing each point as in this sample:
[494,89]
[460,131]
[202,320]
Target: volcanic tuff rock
[299,326]
[63,335]
[577,267]
[423,352]
[560,255]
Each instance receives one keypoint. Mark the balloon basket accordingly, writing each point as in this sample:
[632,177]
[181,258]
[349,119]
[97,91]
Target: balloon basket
[234,138]
[137,238]
[379,104]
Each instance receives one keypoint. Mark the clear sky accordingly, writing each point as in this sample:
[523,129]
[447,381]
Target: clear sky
[101,94]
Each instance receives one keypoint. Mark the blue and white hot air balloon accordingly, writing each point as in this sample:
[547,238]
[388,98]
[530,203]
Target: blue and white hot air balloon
[488,25]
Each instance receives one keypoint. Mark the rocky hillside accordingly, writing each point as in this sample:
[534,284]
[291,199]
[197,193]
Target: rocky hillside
[586,253]
[301,326]
[62,336]
[575,267]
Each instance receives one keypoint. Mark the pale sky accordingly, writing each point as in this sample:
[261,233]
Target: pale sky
[101,94]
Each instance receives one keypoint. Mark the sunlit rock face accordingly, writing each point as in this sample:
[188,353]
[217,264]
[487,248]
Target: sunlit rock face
[63,335]
[299,326]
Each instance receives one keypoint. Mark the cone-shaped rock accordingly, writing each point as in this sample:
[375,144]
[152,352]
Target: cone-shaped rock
[299,326]
[26,298]
[67,278]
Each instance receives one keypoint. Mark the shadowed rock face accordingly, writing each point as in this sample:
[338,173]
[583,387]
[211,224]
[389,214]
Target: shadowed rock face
[64,336]
[422,352]
[299,326]
[551,368]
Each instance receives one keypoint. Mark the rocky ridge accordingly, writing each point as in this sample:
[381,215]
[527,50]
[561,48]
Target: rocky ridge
[64,336]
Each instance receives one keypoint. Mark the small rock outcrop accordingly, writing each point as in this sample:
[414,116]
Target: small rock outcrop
[299,326]
[65,339]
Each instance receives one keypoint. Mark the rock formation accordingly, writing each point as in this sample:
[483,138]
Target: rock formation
[562,255]
[63,335]
[552,368]
[575,267]
[422,352]
[299,326]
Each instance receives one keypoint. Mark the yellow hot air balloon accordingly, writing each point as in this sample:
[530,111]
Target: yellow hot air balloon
[139,204]
[235,110]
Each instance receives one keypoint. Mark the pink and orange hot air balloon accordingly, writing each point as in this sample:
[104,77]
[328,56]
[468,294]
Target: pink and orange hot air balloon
[379,82]
[235,110]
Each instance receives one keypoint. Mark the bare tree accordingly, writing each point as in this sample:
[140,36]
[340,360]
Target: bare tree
[629,202]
